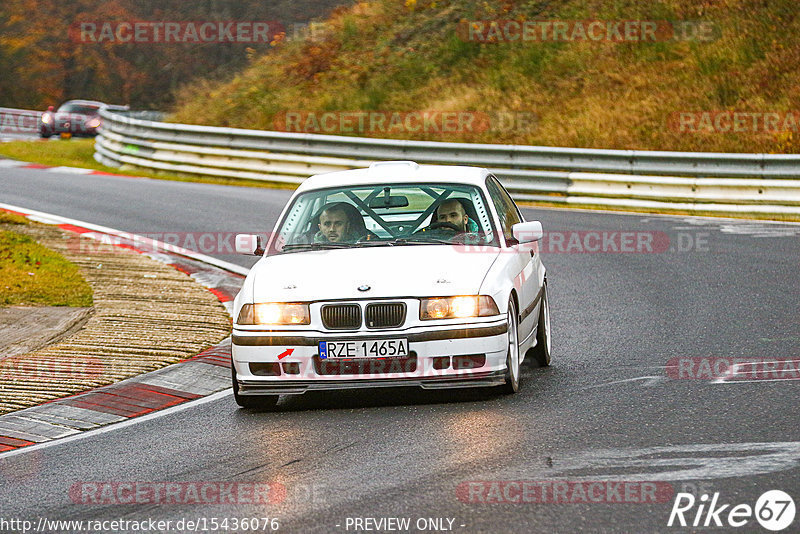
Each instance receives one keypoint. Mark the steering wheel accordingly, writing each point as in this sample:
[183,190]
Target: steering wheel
[444,226]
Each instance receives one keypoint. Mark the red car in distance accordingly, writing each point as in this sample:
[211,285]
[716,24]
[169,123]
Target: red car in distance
[80,118]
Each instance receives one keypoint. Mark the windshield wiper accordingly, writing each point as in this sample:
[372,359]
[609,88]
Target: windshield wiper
[419,241]
[294,247]
[374,243]
[315,246]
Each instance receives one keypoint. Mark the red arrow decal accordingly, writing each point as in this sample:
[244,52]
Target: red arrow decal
[285,353]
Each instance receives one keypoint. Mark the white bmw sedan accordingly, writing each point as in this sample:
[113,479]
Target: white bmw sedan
[396,275]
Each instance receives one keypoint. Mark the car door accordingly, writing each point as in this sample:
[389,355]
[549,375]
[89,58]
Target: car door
[528,269]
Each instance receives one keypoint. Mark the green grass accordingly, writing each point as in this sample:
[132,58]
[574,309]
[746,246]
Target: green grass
[80,153]
[12,218]
[67,153]
[31,274]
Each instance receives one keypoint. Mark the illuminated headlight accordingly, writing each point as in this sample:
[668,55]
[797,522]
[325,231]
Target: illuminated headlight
[93,123]
[274,313]
[47,118]
[457,307]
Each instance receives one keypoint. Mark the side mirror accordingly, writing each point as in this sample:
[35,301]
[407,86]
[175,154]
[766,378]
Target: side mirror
[249,244]
[527,232]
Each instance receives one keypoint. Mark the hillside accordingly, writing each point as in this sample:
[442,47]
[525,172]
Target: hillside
[388,56]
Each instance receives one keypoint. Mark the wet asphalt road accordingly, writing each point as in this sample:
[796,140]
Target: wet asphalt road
[608,410]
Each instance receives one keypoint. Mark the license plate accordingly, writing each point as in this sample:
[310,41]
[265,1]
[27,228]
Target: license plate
[368,348]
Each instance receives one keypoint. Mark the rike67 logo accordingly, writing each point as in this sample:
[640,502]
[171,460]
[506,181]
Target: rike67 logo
[774,510]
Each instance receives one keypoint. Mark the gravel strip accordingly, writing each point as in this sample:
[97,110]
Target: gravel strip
[147,315]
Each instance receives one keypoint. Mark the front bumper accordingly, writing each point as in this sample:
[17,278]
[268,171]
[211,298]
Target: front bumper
[294,387]
[485,342]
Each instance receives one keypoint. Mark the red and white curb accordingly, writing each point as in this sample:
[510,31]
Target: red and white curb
[14,164]
[196,378]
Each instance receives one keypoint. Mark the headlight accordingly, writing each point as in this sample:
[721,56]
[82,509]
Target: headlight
[46,118]
[457,307]
[93,123]
[274,313]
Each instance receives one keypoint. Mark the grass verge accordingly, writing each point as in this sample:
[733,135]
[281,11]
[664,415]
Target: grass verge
[31,274]
[80,153]
[12,218]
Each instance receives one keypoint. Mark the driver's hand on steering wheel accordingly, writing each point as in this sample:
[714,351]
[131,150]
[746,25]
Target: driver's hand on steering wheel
[440,225]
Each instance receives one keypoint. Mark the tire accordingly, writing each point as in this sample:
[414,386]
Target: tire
[541,352]
[44,135]
[252,402]
[512,356]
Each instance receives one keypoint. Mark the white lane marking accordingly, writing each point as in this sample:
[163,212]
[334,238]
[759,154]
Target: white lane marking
[736,369]
[737,381]
[706,220]
[750,227]
[635,367]
[116,426]
[210,279]
[663,463]
[10,163]
[57,219]
[650,381]
[69,170]
[646,216]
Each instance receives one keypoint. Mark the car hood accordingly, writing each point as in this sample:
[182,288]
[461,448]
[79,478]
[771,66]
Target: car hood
[399,271]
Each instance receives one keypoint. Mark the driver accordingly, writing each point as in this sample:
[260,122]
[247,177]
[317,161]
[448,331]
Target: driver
[452,211]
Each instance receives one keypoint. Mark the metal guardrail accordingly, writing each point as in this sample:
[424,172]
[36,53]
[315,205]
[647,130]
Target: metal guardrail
[19,120]
[752,183]
[143,115]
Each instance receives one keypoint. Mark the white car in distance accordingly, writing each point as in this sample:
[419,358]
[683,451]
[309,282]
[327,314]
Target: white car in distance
[396,275]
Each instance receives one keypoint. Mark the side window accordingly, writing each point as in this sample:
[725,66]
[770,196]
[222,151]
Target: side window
[506,209]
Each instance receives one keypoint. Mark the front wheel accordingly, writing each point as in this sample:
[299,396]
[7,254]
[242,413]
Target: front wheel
[253,402]
[512,356]
[541,352]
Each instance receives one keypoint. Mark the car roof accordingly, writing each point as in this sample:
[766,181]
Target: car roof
[85,103]
[397,172]
[97,104]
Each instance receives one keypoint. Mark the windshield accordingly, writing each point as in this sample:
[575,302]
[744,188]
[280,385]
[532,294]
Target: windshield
[81,109]
[385,215]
